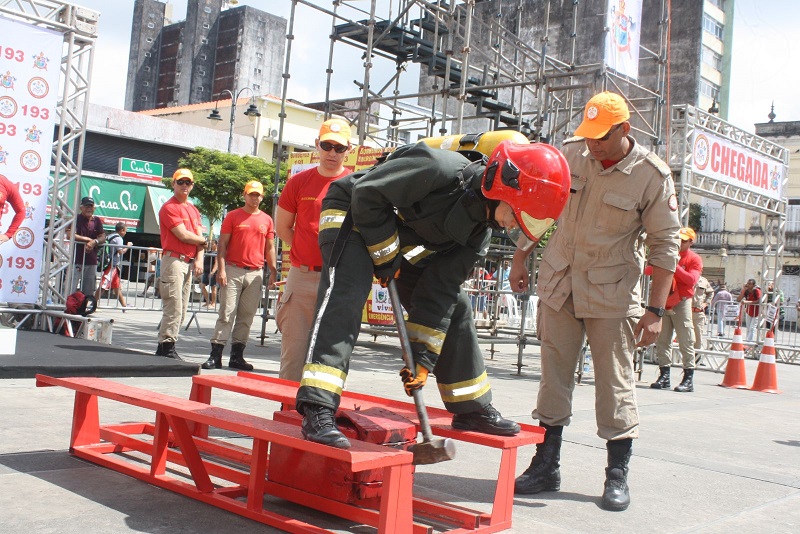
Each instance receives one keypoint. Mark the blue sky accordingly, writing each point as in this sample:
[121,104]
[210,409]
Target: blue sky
[766,64]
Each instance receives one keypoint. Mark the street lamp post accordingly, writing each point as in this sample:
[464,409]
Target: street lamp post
[251,112]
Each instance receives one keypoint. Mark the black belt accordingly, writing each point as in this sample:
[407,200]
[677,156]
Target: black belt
[182,257]
[246,268]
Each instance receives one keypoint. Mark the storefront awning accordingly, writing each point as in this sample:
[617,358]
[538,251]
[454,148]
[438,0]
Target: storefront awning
[157,196]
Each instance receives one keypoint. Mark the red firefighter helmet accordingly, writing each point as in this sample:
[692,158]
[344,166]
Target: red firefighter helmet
[533,179]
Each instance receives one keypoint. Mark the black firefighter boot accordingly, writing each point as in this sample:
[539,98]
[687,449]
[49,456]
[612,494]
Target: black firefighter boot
[319,425]
[237,360]
[616,495]
[215,360]
[168,351]
[687,384]
[160,349]
[543,474]
[663,379]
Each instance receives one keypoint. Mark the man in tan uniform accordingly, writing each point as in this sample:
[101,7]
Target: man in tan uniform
[622,198]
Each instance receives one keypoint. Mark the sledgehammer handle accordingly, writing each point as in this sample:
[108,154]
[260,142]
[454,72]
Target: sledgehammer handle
[405,345]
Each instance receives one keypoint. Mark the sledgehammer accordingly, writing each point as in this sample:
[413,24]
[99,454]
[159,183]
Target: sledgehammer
[430,451]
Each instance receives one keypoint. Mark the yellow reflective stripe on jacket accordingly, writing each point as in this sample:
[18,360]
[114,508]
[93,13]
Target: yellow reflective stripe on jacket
[465,391]
[413,255]
[432,339]
[331,219]
[323,377]
[384,251]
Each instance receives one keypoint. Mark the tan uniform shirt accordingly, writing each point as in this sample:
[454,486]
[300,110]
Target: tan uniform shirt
[703,293]
[597,250]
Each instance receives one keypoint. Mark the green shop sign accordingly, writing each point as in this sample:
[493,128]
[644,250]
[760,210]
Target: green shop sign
[141,170]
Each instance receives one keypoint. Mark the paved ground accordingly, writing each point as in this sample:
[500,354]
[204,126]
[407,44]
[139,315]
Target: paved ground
[716,460]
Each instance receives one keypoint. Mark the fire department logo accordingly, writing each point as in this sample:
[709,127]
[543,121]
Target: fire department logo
[336,127]
[3,156]
[673,202]
[7,80]
[775,178]
[591,113]
[8,107]
[18,286]
[40,62]
[262,228]
[38,87]
[702,152]
[24,237]
[30,160]
[33,134]
[381,295]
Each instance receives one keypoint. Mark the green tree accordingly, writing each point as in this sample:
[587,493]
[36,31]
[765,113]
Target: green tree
[696,214]
[220,179]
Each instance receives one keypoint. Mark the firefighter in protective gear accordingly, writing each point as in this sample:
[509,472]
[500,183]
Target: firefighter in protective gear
[427,214]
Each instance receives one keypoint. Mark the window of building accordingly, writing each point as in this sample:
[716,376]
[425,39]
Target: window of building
[713,27]
[203,56]
[203,41]
[149,39]
[206,25]
[146,84]
[260,39]
[148,54]
[200,89]
[144,97]
[151,25]
[711,58]
[207,9]
[256,87]
[793,215]
[719,3]
[146,68]
[259,55]
[257,71]
[201,72]
[709,89]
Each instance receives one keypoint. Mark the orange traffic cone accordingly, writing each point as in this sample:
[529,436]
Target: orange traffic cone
[734,369]
[767,373]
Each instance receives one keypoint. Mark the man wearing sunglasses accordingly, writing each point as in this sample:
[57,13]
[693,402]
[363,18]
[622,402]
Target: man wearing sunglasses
[183,244]
[297,224]
[424,217]
[622,198]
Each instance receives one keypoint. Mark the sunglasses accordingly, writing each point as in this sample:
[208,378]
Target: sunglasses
[184,181]
[607,136]
[325,146]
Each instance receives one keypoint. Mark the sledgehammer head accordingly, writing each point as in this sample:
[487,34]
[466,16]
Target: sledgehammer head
[433,451]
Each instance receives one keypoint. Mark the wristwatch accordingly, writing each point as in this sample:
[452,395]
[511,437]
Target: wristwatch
[658,311]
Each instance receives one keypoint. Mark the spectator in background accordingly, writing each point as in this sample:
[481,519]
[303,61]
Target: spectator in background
[153,272]
[9,192]
[183,243]
[703,293]
[297,224]
[774,297]
[750,297]
[89,235]
[721,299]
[110,280]
[208,282]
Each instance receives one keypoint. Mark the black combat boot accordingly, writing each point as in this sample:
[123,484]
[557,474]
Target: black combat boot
[168,351]
[687,384]
[663,379]
[215,360]
[616,495]
[237,360]
[319,426]
[543,474]
[160,349]
[487,420]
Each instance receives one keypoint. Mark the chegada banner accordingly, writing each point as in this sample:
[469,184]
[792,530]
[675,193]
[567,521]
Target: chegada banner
[30,67]
[732,163]
[623,19]
[378,309]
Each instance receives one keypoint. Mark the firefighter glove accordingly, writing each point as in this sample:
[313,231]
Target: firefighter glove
[387,271]
[416,381]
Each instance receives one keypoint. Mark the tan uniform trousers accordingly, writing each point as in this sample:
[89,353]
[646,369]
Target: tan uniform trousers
[611,342]
[175,286]
[699,320]
[679,320]
[295,317]
[238,303]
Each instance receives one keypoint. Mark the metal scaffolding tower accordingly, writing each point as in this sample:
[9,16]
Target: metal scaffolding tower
[79,27]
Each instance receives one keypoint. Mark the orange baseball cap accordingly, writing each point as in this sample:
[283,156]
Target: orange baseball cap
[183,173]
[335,130]
[254,186]
[687,234]
[603,111]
